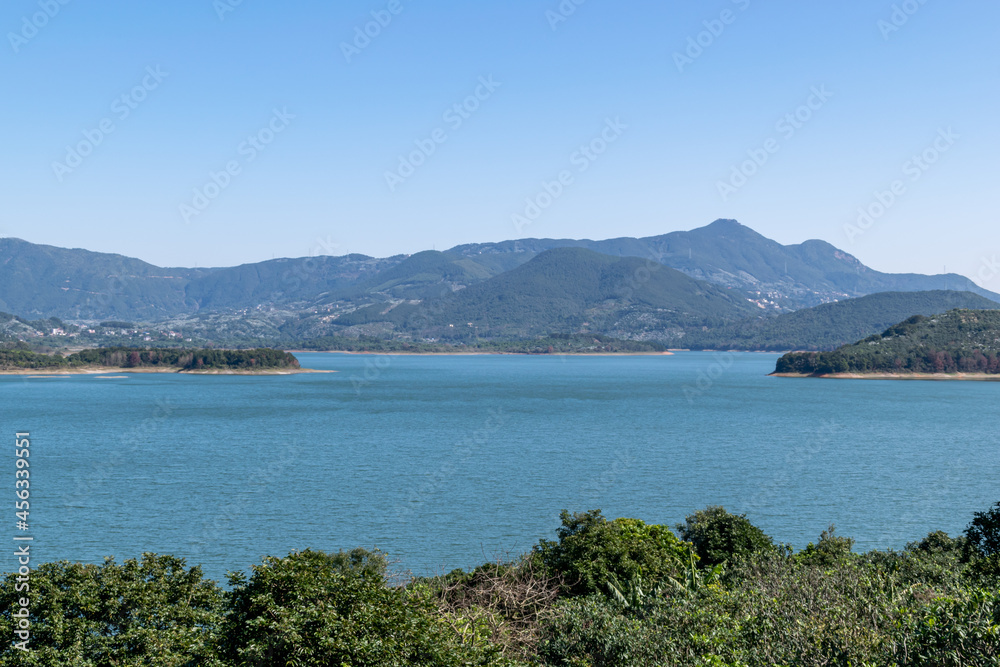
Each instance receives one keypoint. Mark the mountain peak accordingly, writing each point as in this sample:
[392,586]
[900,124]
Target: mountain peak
[725,223]
[725,227]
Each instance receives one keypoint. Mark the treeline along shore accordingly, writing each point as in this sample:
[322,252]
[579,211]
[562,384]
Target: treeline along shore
[259,360]
[960,344]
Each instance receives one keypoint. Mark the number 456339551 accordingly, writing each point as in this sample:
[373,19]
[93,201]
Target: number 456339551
[23,452]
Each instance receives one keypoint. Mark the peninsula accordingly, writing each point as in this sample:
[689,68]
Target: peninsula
[958,345]
[260,361]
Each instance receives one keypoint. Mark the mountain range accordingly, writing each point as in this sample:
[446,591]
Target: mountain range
[720,286]
[44,281]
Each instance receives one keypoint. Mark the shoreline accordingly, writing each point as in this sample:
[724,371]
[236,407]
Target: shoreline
[954,377]
[109,370]
[477,353]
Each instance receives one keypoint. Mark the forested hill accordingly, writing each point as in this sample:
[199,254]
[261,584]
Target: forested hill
[830,325]
[959,341]
[40,281]
[568,290]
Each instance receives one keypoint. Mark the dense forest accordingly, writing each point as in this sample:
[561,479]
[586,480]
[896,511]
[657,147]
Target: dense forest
[959,341]
[715,591]
[125,357]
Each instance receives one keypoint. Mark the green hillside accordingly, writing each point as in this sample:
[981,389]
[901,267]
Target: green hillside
[830,325]
[44,281]
[733,255]
[568,290]
[966,341]
[301,281]
[38,281]
[424,274]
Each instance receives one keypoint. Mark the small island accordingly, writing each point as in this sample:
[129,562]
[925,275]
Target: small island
[958,345]
[259,361]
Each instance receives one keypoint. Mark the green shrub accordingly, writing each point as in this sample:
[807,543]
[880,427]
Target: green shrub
[718,536]
[591,549]
[829,551]
[982,545]
[317,609]
[153,612]
[952,632]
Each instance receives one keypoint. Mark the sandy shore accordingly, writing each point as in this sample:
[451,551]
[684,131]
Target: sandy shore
[107,370]
[974,377]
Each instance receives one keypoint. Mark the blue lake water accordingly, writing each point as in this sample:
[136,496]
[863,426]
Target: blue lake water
[448,461]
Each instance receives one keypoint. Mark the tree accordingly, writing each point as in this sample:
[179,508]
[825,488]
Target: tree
[153,612]
[982,546]
[831,550]
[317,609]
[591,550]
[718,536]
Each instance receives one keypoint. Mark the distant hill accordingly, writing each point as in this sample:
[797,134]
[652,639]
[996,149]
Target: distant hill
[733,255]
[38,281]
[966,341]
[300,282]
[830,325]
[569,290]
[423,275]
[44,281]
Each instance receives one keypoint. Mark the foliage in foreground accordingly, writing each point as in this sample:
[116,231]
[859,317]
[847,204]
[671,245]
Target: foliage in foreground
[616,593]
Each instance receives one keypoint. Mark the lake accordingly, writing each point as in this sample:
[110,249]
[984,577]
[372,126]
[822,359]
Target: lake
[447,461]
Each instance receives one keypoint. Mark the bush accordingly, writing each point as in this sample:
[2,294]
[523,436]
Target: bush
[317,609]
[831,550]
[982,546]
[594,631]
[153,612]
[953,632]
[718,536]
[591,550]
[500,603]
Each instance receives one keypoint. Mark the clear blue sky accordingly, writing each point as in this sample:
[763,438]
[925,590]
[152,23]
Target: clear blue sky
[320,185]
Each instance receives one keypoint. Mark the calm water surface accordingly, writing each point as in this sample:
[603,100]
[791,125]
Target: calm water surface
[447,461]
